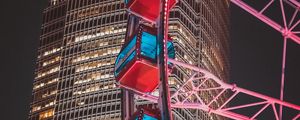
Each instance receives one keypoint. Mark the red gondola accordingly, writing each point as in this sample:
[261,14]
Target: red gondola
[147,9]
[136,64]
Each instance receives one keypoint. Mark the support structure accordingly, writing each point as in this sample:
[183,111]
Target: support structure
[193,93]
[189,96]
[282,74]
[127,104]
[288,27]
[162,36]
[128,96]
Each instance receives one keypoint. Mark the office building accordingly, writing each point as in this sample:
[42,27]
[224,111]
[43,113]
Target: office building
[79,43]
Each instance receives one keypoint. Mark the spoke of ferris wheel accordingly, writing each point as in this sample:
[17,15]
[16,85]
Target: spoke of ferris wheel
[295,3]
[298,116]
[285,29]
[196,85]
[282,75]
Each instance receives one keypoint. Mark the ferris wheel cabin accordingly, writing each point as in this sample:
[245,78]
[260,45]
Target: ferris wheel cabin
[147,9]
[136,64]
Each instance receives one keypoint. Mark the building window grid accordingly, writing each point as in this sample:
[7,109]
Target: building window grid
[47,44]
[85,50]
[66,75]
[179,38]
[109,18]
[101,19]
[98,102]
[183,32]
[42,105]
[95,22]
[71,38]
[52,29]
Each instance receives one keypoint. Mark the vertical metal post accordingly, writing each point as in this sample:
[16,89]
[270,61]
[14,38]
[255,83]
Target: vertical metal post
[282,75]
[162,36]
[127,104]
[127,98]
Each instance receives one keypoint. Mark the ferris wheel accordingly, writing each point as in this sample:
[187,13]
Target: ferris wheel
[148,56]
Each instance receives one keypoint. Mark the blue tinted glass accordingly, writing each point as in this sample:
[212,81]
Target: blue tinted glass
[171,50]
[148,46]
[127,1]
[127,53]
[147,117]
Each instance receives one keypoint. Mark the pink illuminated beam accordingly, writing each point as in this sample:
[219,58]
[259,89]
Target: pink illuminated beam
[284,29]
[298,116]
[295,2]
[282,75]
[287,29]
[190,96]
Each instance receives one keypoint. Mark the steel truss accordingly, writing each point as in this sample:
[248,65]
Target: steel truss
[195,92]
[288,26]
[190,95]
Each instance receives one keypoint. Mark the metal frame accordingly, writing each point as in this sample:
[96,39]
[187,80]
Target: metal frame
[286,28]
[189,94]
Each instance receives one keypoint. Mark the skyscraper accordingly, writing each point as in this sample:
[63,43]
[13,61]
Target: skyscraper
[79,43]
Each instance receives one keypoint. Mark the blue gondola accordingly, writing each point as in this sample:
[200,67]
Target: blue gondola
[136,64]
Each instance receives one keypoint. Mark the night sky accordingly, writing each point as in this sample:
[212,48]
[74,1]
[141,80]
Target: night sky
[256,51]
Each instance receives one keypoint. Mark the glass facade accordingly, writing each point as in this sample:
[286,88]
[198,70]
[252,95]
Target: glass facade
[81,39]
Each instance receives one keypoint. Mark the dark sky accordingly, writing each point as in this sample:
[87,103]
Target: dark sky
[20,29]
[256,51]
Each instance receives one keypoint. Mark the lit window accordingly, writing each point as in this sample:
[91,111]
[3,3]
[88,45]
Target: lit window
[90,77]
[56,59]
[39,85]
[183,32]
[54,50]
[80,103]
[172,81]
[36,108]
[88,12]
[54,2]
[93,65]
[95,88]
[46,114]
[53,70]
[50,104]
[95,54]
[88,90]
[107,31]
[49,93]
[45,83]
[110,86]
